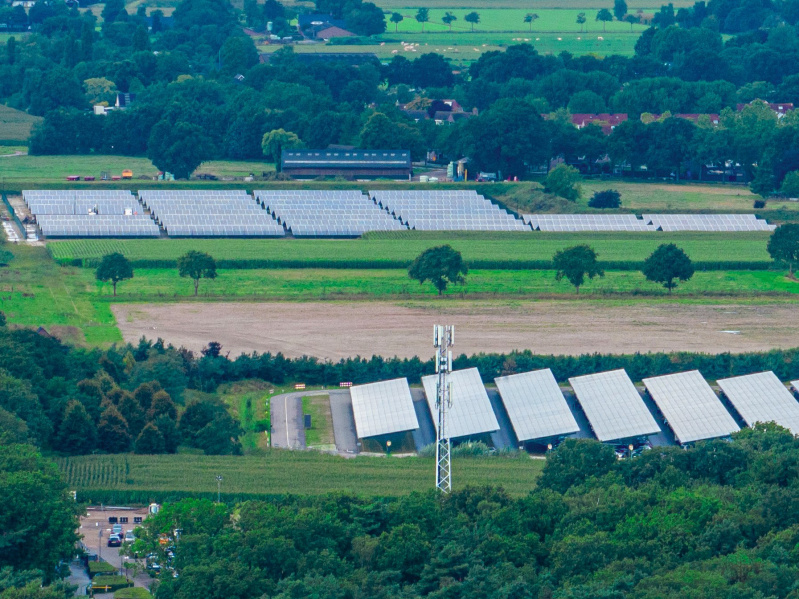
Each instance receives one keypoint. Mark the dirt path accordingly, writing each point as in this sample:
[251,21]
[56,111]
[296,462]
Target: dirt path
[340,329]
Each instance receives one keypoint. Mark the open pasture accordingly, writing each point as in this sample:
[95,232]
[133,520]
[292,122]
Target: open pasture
[498,19]
[397,250]
[278,472]
[46,169]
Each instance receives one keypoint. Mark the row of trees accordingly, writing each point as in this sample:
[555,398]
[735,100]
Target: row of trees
[115,268]
[668,264]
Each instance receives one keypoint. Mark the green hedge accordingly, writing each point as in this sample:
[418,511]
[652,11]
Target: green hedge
[114,583]
[133,593]
[100,568]
[627,265]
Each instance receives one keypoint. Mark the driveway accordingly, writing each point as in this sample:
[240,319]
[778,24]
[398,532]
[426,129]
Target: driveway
[343,422]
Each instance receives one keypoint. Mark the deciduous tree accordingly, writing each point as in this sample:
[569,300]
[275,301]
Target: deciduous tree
[423,16]
[441,266]
[150,440]
[531,18]
[473,18]
[667,264]
[115,268]
[608,198]
[605,16]
[783,246]
[575,264]
[77,434]
[112,431]
[396,18]
[197,265]
[564,181]
[277,140]
[178,147]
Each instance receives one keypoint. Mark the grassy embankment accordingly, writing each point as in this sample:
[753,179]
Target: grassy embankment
[278,472]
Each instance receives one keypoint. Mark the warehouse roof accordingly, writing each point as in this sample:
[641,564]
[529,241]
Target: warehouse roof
[384,159]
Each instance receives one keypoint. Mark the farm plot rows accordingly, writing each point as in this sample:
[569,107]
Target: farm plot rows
[397,251]
[280,472]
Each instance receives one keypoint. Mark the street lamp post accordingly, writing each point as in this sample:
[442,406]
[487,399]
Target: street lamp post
[388,447]
[631,450]
[219,488]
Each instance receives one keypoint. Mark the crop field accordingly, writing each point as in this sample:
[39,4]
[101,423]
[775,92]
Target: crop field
[397,250]
[15,126]
[281,472]
[58,168]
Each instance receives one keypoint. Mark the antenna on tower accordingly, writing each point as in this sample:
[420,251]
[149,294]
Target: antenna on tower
[443,340]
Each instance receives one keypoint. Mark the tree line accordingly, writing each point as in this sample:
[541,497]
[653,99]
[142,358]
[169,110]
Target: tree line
[717,520]
[191,107]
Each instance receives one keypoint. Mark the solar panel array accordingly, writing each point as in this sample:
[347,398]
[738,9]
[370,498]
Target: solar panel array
[334,213]
[613,406]
[89,213]
[80,202]
[762,397]
[471,412]
[210,213]
[383,408]
[586,222]
[535,405]
[707,222]
[691,408]
[86,225]
[447,210]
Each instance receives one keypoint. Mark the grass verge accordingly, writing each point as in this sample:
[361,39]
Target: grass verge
[321,431]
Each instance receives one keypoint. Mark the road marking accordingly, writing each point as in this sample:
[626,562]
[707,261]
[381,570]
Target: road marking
[286,411]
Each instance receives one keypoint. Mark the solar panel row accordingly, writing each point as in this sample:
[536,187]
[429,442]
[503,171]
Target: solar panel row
[446,210]
[210,213]
[613,406]
[334,213]
[89,213]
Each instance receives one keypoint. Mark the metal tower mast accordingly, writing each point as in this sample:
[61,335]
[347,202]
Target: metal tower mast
[443,340]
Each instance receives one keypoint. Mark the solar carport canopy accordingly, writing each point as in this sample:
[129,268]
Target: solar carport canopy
[613,406]
[690,406]
[383,408]
[762,397]
[536,406]
[471,412]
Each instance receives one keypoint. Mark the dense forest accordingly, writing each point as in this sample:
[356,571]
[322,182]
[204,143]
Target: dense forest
[717,521]
[70,400]
[202,92]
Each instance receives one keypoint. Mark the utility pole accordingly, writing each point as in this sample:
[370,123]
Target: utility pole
[443,340]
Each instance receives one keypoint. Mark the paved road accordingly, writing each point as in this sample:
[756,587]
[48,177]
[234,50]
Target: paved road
[343,422]
[288,428]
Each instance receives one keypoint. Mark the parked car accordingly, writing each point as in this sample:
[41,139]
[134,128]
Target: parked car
[129,536]
[114,541]
[117,530]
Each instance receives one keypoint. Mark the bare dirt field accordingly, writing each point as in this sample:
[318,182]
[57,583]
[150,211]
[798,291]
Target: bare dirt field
[340,329]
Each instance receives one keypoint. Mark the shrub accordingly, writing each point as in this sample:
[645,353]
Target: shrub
[790,185]
[609,198]
[133,593]
[100,568]
[112,583]
[759,204]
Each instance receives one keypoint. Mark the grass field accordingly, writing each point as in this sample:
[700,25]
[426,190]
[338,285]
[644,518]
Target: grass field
[15,126]
[398,250]
[154,285]
[508,19]
[320,435]
[281,472]
[34,292]
[57,168]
